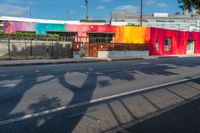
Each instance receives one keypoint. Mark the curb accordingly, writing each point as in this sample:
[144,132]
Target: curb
[50,63]
[67,62]
[87,61]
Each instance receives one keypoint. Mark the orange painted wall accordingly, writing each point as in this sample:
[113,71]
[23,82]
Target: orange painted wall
[123,34]
[134,35]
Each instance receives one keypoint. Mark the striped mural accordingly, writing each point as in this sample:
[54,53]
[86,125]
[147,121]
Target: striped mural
[42,28]
[10,27]
[154,37]
[123,34]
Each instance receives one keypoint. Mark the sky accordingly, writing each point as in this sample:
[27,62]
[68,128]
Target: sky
[75,9]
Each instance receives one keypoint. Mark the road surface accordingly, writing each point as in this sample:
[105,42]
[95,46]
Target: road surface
[27,90]
[184,119]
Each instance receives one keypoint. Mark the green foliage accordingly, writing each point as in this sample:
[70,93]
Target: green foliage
[1,34]
[190,5]
[31,36]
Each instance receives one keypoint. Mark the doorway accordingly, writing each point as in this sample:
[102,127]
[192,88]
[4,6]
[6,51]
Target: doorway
[93,50]
[190,47]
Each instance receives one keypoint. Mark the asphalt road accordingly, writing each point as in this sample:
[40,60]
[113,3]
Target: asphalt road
[31,89]
[184,119]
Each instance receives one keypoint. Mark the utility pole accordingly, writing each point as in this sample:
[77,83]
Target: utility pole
[86,5]
[141,12]
[68,14]
[30,12]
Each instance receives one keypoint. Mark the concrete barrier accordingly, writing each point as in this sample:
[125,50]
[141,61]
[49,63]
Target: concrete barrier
[45,49]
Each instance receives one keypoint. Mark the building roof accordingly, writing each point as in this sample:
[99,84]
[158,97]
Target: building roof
[20,19]
[123,16]
[101,32]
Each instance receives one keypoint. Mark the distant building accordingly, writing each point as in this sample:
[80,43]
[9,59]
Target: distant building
[1,25]
[162,34]
[158,20]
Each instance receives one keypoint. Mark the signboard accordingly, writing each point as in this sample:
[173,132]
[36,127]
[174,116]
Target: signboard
[165,15]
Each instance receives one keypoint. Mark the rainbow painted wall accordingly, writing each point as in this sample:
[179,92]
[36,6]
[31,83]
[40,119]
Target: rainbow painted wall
[123,34]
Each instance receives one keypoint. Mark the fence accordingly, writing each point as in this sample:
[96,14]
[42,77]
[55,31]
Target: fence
[121,47]
[35,49]
[122,50]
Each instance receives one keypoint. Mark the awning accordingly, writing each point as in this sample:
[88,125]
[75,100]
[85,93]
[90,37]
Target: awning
[101,32]
[62,31]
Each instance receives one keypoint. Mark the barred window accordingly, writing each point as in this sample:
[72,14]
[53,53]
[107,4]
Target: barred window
[100,38]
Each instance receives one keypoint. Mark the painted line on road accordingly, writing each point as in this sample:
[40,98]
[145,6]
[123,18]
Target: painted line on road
[66,69]
[30,116]
[8,85]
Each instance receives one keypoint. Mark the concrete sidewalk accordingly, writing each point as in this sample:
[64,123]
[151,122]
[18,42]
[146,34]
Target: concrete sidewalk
[63,61]
[47,61]
[4,63]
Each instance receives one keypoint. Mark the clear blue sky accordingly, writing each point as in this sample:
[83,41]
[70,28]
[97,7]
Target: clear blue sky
[75,9]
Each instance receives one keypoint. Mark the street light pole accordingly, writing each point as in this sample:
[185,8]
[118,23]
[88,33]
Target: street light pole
[141,12]
[30,12]
[86,4]
[68,14]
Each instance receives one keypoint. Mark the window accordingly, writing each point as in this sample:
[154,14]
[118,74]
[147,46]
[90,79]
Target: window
[1,26]
[167,46]
[100,38]
[157,43]
[64,36]
[67,37]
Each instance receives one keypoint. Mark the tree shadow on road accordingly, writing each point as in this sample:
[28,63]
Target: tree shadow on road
[60,122]
[11,96]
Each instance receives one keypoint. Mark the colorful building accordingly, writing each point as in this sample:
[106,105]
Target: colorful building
[172,42]
[159,41]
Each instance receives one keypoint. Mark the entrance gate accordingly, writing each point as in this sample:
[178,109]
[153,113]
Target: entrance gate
[93,50]
[85,48]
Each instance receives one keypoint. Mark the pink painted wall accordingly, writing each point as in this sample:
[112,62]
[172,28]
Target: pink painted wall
[10,27]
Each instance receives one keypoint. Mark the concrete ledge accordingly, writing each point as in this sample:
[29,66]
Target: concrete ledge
[46,62]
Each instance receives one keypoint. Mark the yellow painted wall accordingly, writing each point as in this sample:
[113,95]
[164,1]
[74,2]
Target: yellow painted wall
[132,34]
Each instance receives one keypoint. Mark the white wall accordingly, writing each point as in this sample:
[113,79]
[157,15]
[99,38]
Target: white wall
[20,19]
[122,54]
[76,54]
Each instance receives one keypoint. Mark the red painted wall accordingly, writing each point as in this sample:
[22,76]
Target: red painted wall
[196,37]
[178,44]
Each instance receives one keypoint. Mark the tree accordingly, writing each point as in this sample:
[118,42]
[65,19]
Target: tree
[190,5]
[1,34]
[197,6]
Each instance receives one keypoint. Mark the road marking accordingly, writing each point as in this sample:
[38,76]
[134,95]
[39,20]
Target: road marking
[3,75]
[26,117]
[37,71]
[144,63]
[8,85]
[66,69]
